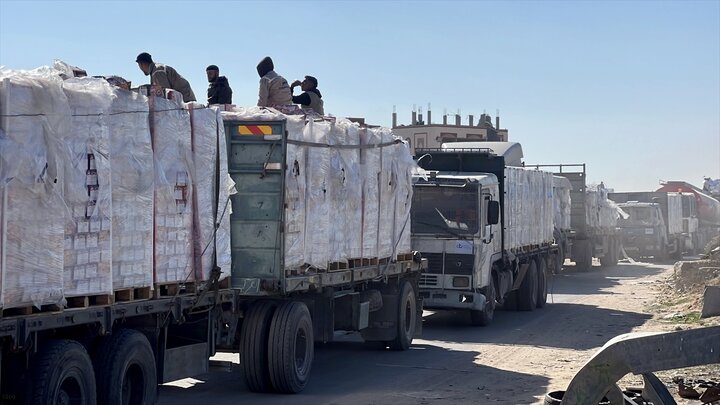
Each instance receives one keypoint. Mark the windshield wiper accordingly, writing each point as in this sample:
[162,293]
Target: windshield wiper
[440,227]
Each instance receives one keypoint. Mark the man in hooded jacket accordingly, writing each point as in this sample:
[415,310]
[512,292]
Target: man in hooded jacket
[219,91]
[311,97]
[274,89]
[164,76]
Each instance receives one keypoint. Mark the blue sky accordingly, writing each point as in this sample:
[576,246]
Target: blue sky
[632,88]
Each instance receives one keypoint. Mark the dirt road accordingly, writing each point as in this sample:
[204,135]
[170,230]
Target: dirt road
[516,360]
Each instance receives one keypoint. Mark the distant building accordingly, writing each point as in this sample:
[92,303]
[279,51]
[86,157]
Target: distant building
[422,135]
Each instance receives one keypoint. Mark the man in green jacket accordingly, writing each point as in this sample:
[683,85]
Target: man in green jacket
[165,76]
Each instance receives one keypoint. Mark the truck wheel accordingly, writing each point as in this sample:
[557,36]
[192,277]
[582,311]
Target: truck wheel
[542,282]
[62,373]
[125,369]
[528,291]
[254,346]
[406,318]
[291,347]
[678,254]
[559,259]
[584,260]
[485,316]
[610,257]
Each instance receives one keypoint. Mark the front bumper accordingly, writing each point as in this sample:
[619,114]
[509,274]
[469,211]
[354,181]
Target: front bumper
[452,299]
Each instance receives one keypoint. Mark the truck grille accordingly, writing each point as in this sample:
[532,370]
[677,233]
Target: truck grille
[428,280]
[460,264]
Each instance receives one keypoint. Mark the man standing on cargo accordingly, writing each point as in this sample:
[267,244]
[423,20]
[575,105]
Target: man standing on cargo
[219,91]
[165,76]
[311,97]
[274,89]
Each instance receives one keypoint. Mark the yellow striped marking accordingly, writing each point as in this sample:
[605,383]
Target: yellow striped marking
[255,129]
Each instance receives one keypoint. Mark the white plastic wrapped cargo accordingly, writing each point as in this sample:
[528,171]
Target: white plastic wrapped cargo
[173,191]
[600,212]
[675,214]
[223,252]
[370,169]
[528,208]
[561,202]
[87,189]
[317,225]
[295,195]
[405,166]
[346,195]
[131,160]
[34,118]
[387,196]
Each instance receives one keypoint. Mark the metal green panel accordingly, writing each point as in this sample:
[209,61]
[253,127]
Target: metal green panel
[256,164]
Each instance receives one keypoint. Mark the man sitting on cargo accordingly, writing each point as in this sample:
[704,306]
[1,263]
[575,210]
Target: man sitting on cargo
[311,97]
[219,91]
[274,89]
[165,76]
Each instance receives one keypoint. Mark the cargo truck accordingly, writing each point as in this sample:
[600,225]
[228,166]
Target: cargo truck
[706,209]
[486,227]
[592,231]
[116,348]
[655,224]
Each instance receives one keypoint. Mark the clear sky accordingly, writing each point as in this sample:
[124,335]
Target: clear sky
[632,88]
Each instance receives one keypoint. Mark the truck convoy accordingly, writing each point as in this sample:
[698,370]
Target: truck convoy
[655,224]
[142,235]
[485,224]
[592,230]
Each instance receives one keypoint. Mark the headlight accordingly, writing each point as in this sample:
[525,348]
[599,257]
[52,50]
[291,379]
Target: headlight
[461,282]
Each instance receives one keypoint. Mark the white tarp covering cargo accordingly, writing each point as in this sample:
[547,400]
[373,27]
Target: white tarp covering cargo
[207,131]
[34,117]
[87,191]
[674,214]
[131,160]
[600,213]
[347,190]
[172,151]
[561,202]
[528,207]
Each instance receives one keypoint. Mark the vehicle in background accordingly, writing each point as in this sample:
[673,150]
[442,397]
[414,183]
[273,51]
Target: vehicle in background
[593,230]
[485,224]
[707,211]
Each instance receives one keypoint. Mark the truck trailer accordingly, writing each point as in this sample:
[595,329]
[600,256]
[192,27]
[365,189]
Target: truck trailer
[485,224]
[305,237]
[707,211]
[592,231]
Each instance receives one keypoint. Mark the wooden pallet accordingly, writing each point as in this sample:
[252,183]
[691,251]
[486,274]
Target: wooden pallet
[173,289]
[335,266]
[84,301]
[132,294]
[29,310]
[404,257]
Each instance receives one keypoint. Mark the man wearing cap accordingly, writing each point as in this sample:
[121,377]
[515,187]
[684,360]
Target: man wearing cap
[219,91]
[274,89]
[311,97]
[164,76]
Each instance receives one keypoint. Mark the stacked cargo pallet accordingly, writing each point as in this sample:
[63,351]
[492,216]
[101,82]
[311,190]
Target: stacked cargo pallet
[81,215]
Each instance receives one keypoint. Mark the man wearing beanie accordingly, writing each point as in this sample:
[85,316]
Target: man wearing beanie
[310,98]
[274,89]
[164,76]
[219,91]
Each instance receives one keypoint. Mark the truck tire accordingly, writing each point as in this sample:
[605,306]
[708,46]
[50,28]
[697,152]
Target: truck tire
[254,346]
[291,347]
[583,261]
[542,281]
[62,373]
[485,316]
[610,257]
[678,254]
[559,259]
[125,369]
[528,291]
[406,318]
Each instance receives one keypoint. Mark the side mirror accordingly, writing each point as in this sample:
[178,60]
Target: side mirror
[493,214]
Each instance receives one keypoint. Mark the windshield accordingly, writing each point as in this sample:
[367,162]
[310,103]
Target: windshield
[445,210]
[639,216]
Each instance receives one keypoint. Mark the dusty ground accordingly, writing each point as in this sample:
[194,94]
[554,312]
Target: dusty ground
[516,360]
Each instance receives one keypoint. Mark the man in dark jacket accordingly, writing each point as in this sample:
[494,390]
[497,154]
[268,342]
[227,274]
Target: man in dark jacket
[219,91]
[311,97]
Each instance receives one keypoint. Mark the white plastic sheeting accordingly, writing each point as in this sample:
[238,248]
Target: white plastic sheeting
[347,190]
[34,118]
[528,207]
[87,191]
[561,202]
[223,253]
[675,214]
[172,153]
[600,212]
[131,165]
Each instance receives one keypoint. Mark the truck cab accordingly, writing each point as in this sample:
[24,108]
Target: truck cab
[454,225]
[644,231]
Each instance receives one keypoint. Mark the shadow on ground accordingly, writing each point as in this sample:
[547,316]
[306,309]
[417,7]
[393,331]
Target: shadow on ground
[353,373]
